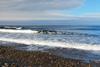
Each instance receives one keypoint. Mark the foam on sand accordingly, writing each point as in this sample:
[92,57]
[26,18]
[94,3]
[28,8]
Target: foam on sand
[53,44]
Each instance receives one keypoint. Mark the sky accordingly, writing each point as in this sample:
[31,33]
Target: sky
[50,10]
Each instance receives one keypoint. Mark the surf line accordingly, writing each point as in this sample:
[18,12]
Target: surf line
[18,31]
[53,44]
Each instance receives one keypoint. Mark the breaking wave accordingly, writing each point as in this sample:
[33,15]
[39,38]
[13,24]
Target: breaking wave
[54,38]
[53,44]
[71,40]
[17,31]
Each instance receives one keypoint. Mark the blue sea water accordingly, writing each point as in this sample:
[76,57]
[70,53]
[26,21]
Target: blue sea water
[70,41]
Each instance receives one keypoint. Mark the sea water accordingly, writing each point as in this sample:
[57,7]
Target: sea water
[70,41]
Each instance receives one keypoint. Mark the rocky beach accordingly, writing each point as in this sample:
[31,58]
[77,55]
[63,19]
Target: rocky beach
[10,57]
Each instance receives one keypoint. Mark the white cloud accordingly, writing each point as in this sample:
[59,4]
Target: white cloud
[90,16]
[42,10]
[14,16]
[33,5]
[38,9]
[44,15]
[95,15]
[34,16]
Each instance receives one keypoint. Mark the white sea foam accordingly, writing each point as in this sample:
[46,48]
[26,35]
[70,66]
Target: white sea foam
[53,44]
[17,31]
[32,40]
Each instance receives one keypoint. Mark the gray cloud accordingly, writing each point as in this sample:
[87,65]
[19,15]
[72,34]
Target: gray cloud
[35,16]
[34,5]
[36,9]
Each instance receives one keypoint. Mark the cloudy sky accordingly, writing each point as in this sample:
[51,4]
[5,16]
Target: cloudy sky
[49,9]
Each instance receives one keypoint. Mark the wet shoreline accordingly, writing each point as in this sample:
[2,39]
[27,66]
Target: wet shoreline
[86,56]
[58,52]
[16,58]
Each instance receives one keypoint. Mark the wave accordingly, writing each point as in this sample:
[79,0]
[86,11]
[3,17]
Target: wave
[17,31]
[32,31]
[51,32]
[53,44]
[10,27]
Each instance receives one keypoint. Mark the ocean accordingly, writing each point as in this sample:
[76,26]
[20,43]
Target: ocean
[69,41]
